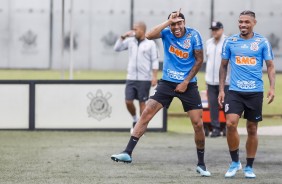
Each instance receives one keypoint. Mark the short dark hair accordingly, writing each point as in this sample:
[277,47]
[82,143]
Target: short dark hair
[248,12]
[180,15]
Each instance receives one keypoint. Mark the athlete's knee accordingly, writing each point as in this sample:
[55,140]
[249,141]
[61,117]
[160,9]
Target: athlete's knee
[151,108]
[252,129]
[231,125]
[197,123]
[129,102]
[147,115]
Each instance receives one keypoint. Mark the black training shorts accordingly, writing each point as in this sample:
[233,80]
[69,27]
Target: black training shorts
[190,98]
[248,102]
[138,90]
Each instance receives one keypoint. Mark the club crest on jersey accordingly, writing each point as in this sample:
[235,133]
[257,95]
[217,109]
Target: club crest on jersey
[189,35]
[245,60]
[187,44]
[254,46]
[179,53]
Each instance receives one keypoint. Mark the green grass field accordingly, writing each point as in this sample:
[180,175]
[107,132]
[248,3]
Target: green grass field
[51,157]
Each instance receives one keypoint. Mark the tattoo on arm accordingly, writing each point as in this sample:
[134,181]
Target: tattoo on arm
[222,73]
[199,61]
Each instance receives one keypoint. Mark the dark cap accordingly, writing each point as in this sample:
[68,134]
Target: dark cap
[216,25]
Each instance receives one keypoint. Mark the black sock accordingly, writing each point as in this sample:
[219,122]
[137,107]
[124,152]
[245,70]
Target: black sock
[250,162]
[131,144]
[235,155]
[201,156]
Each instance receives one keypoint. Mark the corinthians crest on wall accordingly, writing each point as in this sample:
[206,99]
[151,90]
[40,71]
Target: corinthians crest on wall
[29,42]
[99,107]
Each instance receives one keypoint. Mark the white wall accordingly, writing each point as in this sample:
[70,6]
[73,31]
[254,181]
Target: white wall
[97,24]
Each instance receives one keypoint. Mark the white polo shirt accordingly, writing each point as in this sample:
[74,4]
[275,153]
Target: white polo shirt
[213,53]
[143,58]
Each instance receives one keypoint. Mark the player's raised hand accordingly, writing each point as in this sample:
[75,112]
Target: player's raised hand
[270,96]
[174,17]
[220,98]
[128,34]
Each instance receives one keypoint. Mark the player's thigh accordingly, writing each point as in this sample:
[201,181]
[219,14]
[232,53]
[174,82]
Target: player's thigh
[253,107]
[164,93]
[234,103]
[143,90]
[191,99]
[233,108]
[130,90]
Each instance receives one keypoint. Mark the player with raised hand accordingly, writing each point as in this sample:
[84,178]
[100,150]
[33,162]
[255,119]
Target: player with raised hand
[183,57]
[246,53]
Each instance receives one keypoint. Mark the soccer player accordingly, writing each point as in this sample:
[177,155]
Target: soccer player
[182,60]
[213,53]
[142,67]
[246,53]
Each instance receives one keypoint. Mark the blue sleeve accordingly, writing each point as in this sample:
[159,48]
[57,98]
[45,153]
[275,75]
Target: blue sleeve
[197,41]
[164,32]
[226,50]
[267,51]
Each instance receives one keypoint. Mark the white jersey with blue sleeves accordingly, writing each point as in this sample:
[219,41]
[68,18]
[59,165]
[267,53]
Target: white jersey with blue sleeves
[179,56]
[246,61]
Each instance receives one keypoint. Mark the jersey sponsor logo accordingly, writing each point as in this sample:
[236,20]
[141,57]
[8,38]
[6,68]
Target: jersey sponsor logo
[179,53]
[234,39]
[244,46]
[175,75]
[244,60]
[198,41]
[189,35]
[254,46]
[246,84]
[268,49]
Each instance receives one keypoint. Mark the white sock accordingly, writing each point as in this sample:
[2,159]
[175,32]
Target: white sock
[135,119]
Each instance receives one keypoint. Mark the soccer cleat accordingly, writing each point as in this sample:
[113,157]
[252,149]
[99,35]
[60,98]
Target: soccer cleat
[215,133]
[249,173]
[234,167]
[203,171]
[122,157]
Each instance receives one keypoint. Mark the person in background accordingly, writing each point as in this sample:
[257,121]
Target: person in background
[213,53]
[142,67]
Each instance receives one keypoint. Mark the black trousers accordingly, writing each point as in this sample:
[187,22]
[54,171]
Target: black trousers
[213,91]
